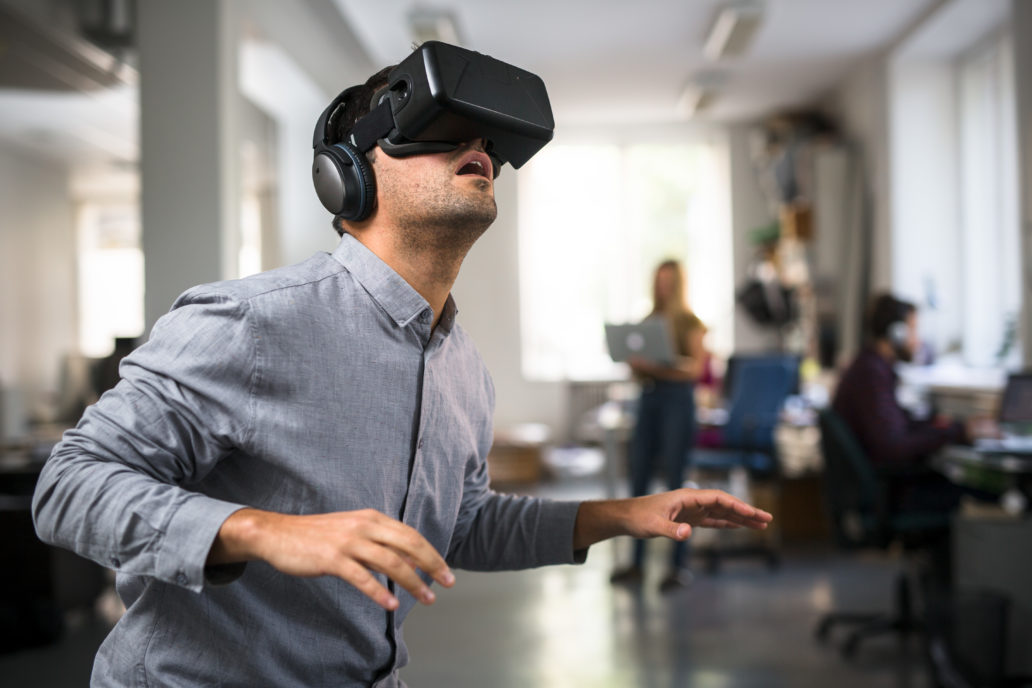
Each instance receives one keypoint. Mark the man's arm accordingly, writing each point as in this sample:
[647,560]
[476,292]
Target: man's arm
[670,514]
[112,491]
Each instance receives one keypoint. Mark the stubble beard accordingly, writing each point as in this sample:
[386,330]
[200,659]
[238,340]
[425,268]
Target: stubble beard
[435,217]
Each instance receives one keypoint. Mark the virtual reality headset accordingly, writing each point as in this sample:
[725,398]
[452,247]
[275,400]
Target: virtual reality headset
[441,96]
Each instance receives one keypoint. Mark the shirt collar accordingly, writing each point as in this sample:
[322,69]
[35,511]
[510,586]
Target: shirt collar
[396,296]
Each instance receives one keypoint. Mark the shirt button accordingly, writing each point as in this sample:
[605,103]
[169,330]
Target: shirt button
[181,578]
[425,316]
[115,562]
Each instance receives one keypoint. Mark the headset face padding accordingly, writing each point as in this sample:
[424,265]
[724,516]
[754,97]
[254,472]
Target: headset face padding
[344,181]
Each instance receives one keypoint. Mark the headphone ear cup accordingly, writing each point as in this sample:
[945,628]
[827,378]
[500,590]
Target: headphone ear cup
[344,181]
[898,333]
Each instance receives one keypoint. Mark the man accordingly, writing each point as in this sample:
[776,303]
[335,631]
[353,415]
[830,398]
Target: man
[328,423]
[866,395]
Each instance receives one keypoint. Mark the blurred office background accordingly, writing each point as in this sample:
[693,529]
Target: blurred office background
[796,155]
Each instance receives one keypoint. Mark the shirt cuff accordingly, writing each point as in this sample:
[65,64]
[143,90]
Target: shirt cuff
[555,541]
[187,542]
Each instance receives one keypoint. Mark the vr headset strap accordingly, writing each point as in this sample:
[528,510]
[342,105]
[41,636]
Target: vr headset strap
[373,127]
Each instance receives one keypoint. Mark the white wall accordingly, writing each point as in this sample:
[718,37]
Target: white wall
[38,309]
[296,56]
[190,125]
[273,81]
[860,105]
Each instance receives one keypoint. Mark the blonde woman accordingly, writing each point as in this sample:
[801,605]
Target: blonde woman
[665,429]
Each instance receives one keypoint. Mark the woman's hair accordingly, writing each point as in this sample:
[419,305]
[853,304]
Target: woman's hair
[678,303]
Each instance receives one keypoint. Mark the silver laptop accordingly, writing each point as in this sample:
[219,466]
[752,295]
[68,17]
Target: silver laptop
[649,339]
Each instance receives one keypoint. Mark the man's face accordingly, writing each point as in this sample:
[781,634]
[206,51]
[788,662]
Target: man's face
[907,349]
[437,199]
[913,342]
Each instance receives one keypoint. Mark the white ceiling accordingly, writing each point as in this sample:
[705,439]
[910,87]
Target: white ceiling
[612,61]
[619,61]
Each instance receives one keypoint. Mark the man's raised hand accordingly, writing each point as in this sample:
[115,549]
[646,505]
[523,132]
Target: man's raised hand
[349,545]
[669,514]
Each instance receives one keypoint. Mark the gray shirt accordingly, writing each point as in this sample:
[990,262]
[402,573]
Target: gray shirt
[313,388]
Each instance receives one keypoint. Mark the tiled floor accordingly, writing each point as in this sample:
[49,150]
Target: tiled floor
[567,626]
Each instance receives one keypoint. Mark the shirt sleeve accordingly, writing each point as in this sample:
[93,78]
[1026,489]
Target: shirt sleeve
[116,488]
[497,532]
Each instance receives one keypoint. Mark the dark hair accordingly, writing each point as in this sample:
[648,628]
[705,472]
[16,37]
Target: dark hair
[355,108]
[358,103]
[884,310]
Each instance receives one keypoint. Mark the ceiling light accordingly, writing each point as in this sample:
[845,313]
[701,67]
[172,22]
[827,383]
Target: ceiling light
[733,30]
[426,24]
[701,91]
[694,100]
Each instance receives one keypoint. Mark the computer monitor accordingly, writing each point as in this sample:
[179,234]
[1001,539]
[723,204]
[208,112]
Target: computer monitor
[1016,404]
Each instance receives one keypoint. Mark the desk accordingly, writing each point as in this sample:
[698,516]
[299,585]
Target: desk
[993,554]
[997,473]
[991,551]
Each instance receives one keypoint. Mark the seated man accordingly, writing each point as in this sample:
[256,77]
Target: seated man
[866,395]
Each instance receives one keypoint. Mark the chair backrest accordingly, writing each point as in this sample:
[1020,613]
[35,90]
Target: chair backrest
[851,488]
[758,388]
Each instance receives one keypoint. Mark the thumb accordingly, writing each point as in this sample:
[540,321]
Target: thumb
[679,531]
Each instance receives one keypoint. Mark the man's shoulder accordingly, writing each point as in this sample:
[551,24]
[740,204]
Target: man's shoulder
[291,277]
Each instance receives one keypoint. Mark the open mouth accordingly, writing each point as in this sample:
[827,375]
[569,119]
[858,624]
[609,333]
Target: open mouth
[477,164]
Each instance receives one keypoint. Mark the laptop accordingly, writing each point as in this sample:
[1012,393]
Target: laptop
[1014,419]
[649,339]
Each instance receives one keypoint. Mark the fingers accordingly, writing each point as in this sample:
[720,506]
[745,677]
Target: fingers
[383,560]
[353,546]
[412,547]
[717,523]
[722,506]
[367,584]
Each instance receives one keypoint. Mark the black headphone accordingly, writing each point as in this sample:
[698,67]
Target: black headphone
[343,178]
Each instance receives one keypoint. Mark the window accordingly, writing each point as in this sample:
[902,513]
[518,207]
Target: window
[955,198]
[594,222]
[989,198]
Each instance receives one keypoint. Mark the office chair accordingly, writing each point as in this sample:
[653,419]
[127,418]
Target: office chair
[756,386]
[857,498]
